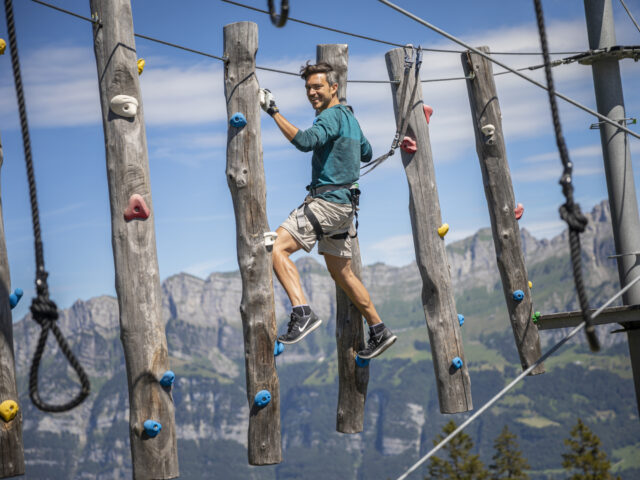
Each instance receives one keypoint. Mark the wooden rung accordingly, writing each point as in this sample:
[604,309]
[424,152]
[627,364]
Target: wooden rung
[626,313]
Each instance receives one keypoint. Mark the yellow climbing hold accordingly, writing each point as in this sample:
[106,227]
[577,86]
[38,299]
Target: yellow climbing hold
[442,231]
[530,284]
[3,46]
[141,63]
[8,410]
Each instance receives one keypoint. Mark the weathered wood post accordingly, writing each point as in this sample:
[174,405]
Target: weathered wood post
[496,177]
[11,448]
[452,376]
[353,380]
[151,420]
[245,177]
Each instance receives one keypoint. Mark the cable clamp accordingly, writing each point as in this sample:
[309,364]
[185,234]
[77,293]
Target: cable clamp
[623,122]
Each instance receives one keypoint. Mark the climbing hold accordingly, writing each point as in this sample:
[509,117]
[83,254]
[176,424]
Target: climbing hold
[535,317]
[530,284]
[3,46]
[137,208]
[461,319]
[237,120]
[428,111]
[519,210]
[362,362]
[262,399]
[152,428]
[442,231]
[140,64]
[409,145]
[8,410]
[124,105]
[278,348]
[518,295]
[488,129]
[15,297]
[456,363]
[168,378]
[269,238]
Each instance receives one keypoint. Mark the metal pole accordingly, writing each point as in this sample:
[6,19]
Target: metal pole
[617,164]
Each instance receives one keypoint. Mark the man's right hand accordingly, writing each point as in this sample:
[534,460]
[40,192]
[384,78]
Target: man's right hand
[268,102]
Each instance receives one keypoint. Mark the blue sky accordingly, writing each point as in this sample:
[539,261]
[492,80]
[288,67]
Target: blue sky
[186,127]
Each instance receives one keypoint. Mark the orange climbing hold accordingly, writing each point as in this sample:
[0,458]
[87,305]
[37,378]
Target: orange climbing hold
[428,111]
[519,211]
[409,145]
[137,208]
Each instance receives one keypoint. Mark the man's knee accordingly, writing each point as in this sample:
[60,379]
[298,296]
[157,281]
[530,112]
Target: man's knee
[285,244]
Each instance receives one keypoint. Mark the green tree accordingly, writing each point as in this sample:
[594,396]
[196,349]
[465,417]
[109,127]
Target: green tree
[585,460]
[460,465]
[508,460]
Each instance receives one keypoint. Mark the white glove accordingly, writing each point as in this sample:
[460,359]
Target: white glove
[267,101]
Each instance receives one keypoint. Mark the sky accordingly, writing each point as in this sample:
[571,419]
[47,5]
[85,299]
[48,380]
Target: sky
[186,127]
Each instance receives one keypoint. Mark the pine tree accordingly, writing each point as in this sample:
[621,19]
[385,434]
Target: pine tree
[460,465]
[508,460]
[585,460]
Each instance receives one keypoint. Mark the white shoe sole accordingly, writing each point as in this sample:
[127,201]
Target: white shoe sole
[390,341]
[304,334]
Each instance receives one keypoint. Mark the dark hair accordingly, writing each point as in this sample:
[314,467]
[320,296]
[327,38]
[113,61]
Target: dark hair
[322,67]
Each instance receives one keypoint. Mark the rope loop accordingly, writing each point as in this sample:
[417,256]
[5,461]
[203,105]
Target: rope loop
[44,310]
[279,20]
[574,217]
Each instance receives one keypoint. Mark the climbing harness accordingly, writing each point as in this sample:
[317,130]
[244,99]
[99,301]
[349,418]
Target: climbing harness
[569,211]
[303,211]
[279,20]
[43,310]
[402,122]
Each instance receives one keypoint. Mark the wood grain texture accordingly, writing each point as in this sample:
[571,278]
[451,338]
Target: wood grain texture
[134,246]
[496,177]
[11,447]
[246,181]
[352,380]
[454,385]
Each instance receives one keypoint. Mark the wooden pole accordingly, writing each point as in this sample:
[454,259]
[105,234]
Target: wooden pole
[454,386]
[498,189]
[245,177]
[353,380]
[134,244]
[11,448]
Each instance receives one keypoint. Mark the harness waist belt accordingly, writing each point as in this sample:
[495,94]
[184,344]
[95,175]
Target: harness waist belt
[313,191]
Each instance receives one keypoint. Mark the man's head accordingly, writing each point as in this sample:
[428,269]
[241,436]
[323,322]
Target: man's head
[321,82]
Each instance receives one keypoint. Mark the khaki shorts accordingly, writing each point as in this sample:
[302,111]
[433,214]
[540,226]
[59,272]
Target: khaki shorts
[334,218]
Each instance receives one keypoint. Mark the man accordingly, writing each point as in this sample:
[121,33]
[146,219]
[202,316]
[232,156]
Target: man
[326,215]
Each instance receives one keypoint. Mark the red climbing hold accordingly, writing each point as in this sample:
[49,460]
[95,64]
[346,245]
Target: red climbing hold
[519,210]
[137,208]
[428,111]
[408,145]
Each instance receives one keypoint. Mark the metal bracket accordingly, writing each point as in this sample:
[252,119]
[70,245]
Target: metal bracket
[623,255]
[624,121]
[616,52]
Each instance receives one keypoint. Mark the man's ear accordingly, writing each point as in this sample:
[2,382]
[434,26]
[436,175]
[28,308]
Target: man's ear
[334,89]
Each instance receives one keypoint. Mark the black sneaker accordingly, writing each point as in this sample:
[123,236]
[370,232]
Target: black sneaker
[299,327]
[378,344]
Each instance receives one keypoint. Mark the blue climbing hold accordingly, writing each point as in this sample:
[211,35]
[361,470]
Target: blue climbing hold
[518,295]
[362,362]
[15,297]
[457,363]
[237,120]
[152,428]
[461,319]
[168,378]
[278,348]
[262,399]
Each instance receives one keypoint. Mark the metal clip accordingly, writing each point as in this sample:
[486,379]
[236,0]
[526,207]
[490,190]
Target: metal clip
[408,57]
[624,121]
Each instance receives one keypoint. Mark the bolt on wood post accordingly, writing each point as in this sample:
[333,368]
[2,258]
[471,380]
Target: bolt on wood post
[353,380]
[11,447]
[496,177]
[134,244]
[245,177]
[454,385]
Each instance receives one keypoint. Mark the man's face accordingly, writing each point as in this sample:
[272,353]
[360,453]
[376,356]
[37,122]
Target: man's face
[319,92]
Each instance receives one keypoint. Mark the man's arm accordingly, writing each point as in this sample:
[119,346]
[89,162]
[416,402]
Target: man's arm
[288,129]
[365,150]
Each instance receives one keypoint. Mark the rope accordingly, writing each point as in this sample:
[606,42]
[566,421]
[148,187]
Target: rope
[570,211]
[279,20]
[515,381]
[630,16]
[488,57]
[44,310]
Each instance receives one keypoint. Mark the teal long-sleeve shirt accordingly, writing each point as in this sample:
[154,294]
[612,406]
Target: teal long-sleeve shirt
[338,146]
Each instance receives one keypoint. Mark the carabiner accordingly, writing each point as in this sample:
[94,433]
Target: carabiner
[418,58]
[279,20]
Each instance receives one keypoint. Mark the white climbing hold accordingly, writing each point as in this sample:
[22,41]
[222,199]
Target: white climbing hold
[270,238]
[124,105]
[488,129]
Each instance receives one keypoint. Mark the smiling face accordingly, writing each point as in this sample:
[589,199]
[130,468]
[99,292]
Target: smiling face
[320,93]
